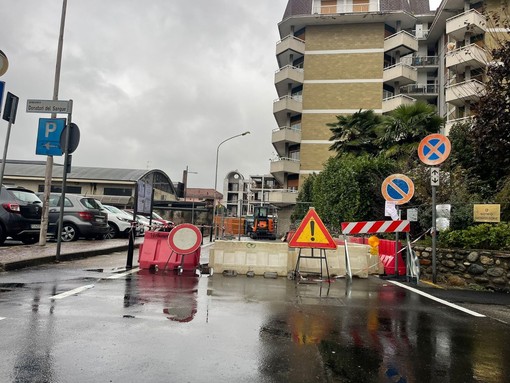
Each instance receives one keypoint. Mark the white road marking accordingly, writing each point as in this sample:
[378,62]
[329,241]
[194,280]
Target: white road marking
[438,300]
[2,318]
[117,276]
[71,292]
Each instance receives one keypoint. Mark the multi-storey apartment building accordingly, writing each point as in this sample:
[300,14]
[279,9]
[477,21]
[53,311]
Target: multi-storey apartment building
[336,57]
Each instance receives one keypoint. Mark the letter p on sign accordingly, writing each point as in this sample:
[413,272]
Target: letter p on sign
[51,127]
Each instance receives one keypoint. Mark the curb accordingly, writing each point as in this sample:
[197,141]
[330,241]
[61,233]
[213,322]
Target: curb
[36,261]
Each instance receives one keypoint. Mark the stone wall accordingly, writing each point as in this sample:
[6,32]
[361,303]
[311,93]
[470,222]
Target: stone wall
[467,268]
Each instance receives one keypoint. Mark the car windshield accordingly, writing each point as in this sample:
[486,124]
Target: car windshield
[90,203]
[25,196]
[157,216]
[114,209]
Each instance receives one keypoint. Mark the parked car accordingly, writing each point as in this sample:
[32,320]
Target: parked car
[160,222]
[82,217]
[120,222]
[20,215]
[144,222]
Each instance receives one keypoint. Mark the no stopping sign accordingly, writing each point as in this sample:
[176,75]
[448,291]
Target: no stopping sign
[185,238]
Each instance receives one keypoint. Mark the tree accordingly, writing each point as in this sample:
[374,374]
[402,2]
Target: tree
[405,127]
[355,133]
[304,198]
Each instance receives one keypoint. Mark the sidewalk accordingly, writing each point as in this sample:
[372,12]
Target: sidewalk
[20,256]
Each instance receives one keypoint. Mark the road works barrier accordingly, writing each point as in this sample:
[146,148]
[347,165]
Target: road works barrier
[156,252]
[260,257]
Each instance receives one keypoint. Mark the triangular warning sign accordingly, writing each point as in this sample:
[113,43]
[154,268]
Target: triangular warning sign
[312,233]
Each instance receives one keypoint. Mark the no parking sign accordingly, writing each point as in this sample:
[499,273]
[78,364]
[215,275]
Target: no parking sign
[397,188]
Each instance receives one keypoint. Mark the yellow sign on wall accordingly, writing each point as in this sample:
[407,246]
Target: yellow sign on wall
[486,213]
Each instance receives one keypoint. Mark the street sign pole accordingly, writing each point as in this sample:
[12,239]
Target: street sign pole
[67,133]
[433,233]
[12,115]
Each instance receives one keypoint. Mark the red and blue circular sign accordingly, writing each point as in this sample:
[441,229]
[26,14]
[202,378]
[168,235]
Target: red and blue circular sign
[397,188]
[434,149]
[185,238]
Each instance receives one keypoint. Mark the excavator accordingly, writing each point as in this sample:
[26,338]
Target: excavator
[264,223]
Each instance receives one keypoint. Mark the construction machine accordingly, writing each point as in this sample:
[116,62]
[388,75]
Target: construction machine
[264,223]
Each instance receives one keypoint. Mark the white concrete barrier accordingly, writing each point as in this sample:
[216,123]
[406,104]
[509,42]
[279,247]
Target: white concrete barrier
[260,257]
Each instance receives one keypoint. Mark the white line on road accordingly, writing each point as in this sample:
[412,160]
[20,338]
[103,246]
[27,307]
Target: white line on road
[117,276]
[71,292]
[453,305]
[2,318]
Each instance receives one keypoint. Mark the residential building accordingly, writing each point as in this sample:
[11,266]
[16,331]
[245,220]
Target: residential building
[337,57]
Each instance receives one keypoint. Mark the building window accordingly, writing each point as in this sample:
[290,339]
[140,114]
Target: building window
[117,192]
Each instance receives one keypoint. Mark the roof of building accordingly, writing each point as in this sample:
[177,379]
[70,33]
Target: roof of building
[38,169]
[201,193]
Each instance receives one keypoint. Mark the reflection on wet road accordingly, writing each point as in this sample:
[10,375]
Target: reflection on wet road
[164,327]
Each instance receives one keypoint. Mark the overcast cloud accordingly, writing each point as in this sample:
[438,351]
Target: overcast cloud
[155,83]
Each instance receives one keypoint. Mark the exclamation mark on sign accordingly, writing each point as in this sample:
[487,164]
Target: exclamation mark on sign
[312,229]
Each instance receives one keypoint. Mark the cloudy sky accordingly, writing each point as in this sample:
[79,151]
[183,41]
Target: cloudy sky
[155,84]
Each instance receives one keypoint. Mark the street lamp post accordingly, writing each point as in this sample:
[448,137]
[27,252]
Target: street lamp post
[216,176]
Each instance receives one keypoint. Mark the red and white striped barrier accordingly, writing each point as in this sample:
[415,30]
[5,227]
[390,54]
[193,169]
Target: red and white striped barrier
[375,227]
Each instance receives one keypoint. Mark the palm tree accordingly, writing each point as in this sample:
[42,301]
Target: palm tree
[355,133]
[404,128]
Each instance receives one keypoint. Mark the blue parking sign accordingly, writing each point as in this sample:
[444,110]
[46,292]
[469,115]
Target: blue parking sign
[48,136]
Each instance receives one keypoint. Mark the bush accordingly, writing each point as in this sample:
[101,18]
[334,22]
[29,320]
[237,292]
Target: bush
[483,236]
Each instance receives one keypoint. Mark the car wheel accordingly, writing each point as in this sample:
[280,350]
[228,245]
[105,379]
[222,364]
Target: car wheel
[113,231]
[69,232]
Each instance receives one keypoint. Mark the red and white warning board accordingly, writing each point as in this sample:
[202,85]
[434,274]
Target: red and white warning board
[375,227]
[312,233]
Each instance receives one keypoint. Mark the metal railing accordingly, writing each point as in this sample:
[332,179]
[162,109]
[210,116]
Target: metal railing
[289,67]
[420,89]
[295,128]
[421,60]
[290,37]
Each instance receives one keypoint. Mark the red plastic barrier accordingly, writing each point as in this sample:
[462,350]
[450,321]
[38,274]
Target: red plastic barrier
[386,253]
[155,251]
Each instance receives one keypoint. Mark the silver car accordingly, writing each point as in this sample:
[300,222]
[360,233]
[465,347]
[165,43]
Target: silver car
[83,218]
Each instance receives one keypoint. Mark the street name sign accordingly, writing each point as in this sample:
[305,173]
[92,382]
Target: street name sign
[49,106]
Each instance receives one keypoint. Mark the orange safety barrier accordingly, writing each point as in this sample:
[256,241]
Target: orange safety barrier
[155,252]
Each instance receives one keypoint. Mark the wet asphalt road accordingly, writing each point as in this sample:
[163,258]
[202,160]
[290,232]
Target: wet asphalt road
[166,328]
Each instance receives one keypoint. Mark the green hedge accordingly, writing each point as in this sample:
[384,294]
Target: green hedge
[482,236]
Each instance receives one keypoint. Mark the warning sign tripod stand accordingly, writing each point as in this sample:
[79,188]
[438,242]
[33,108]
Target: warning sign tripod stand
[372,227]
[312,234]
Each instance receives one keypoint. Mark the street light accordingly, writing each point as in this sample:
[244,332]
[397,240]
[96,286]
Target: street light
[216,175]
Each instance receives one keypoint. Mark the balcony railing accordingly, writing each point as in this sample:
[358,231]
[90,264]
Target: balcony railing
[369,6]
[466,91]
[393,102]
[471,55]
[419,61]
[471,21]
[415,89]
[402,41]
[400,73]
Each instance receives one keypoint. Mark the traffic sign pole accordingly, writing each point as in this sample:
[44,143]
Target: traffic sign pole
[12,114]
[64,183]
[434,150]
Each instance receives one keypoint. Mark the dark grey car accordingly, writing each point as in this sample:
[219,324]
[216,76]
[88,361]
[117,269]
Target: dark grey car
[82,217]
[20,215]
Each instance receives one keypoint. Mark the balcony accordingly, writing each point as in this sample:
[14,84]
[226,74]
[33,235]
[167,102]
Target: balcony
[282,166]
[288,77]
[289,49]
[393,102]
[471,21]
[471,55]
[402,41]
[283,136]
[422,63]
[467,91]
[450,123]
[420,91]
[286,107]
[400,74]
[368,6]
[282,197]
